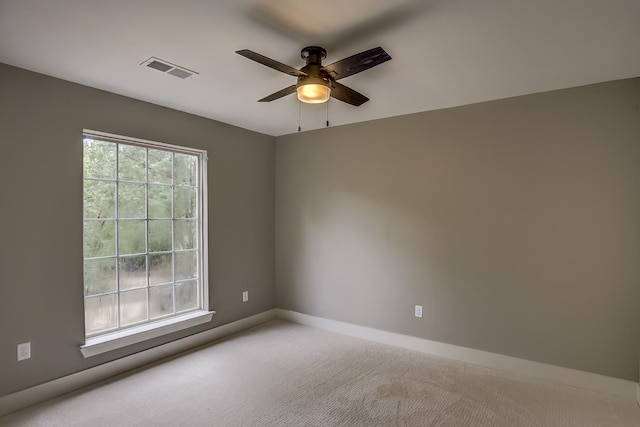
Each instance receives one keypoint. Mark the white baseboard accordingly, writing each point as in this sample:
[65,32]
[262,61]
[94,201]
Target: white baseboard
[585,380]
[572,377]
[31,396]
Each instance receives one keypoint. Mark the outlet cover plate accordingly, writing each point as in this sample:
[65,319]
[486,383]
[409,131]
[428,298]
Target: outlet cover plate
[24,351]
[245,296]
[418,311]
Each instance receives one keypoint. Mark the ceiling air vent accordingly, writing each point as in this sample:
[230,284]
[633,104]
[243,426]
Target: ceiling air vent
[168,67]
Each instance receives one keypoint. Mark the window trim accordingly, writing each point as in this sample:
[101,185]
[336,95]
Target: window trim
[125,337]
[109,341]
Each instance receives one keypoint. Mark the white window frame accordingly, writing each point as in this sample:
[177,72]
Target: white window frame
[109,341]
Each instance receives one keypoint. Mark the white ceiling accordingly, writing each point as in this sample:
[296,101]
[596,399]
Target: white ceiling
[445,52]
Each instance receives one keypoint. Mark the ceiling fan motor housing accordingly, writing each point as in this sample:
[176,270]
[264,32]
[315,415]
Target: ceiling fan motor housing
[311,80]
[313,55]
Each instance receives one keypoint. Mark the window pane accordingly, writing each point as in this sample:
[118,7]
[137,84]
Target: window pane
[99,238]
[141,205]
[131,237]
[160,166]
[131,201]
[187,295]
[160,301]
[100,313]
[99,276]
[132,271]
[99,159]
[99,199]
[160,269]
[160,236]
[186,237]
[185,202]
[133,306]
[160,201]
[186,265]
[185,169]
[132,163]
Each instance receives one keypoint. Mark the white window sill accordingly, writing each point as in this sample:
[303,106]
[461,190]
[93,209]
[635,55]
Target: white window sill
[120,339]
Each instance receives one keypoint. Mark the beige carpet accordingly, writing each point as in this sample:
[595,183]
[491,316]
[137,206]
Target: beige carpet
[282,374]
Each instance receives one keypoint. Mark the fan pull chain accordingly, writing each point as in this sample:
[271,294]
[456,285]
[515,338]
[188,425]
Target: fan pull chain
[327,113]
[299,113]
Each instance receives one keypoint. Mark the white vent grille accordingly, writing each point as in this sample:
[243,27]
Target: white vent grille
[168,68]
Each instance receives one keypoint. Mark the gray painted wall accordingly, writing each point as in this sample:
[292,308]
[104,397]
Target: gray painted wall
[41,122]
[515,223]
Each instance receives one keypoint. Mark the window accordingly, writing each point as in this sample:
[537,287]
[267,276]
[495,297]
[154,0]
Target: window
[144,227]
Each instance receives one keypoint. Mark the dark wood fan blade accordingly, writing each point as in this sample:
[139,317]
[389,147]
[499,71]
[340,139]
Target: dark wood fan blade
[271,63]
[279,94]
[357,63]
[346,94]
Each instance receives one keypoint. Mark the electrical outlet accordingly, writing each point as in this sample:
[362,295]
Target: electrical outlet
[418,311]
[24,351]
[245,296]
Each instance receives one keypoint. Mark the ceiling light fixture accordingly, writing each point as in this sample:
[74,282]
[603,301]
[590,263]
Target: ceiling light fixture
[313,90]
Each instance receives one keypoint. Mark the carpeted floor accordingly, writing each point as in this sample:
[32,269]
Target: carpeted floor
[283,374]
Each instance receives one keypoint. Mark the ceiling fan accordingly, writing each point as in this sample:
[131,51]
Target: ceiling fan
[317,83]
